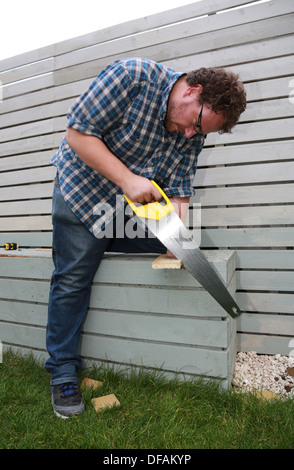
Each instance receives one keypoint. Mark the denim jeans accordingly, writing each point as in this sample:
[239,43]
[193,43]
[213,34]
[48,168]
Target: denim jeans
[76,256]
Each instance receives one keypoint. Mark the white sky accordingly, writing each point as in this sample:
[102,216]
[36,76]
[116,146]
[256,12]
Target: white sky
[30,24]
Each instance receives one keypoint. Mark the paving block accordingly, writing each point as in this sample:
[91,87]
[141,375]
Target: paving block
[90,383]
[107,401]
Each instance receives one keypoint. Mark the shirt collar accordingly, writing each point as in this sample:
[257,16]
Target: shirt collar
[166,94]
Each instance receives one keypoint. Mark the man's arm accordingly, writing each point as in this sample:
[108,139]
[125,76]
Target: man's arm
[96,155]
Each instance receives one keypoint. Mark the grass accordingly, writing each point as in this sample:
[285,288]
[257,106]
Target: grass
[155,413]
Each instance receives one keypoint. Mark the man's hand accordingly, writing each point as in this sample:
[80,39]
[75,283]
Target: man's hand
[140,189]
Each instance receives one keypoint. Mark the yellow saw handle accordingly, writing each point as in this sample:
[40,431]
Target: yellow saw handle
[152,210]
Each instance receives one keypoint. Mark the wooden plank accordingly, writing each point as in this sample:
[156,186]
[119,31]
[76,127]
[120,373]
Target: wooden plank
[25,101]
[233,19]
[18,224]
[34,175]
[265,259]
[135,299]
[242,216]
[35,113]
[27,160]
[11,193]
[28,239]
[24,290]
[165,51]
[131,27]
[255,131]
[30,144]
[265,110]
[157,20]
[265,280]
[32,314]
[115,268]
[21,265]
[20,335]
[264,344]
[247,174]
[165,262]
[264,69]
[241,195]
[27,58]
[37,206]
[245,153]
[29,70]
[27,86]
[266,324]
[164,356]
[171,357]
[239,54]
[248,237]
[142,327]
[268,89]
[266,302]
[162,328]
[36,128]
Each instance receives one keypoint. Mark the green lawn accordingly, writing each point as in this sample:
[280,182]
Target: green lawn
[154,414]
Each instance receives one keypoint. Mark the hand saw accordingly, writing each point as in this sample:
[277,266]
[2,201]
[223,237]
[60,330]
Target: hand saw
[165,224]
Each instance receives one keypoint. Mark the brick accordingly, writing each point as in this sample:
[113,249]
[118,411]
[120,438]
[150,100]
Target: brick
[107,401]
[90,383]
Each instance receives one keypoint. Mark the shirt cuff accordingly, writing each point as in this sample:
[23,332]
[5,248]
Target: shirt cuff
[179,192]
[84,129]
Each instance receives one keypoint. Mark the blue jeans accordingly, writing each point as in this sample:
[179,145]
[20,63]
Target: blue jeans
[76,256]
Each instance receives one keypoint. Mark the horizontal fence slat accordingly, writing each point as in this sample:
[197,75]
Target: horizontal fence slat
[23,208]
[18,224]
[242,195]
[236,55]
[236,154]
[247,237]
[30,191]
[266,324]
[29,176]
[265,259]
[247,174]
[183,31]
[28,239]
[261,302]
[265,280]
[262,344]
[237,216]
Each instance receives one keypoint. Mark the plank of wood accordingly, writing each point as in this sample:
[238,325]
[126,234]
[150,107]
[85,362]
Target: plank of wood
[107,401]
[91,384]
[164,262]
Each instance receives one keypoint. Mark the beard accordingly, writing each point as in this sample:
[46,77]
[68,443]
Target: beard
[174,116]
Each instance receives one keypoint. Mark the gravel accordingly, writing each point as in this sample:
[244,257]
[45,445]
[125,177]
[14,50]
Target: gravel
[261,372]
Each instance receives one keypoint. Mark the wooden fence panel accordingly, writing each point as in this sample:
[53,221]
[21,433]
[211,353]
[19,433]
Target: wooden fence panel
[244,182]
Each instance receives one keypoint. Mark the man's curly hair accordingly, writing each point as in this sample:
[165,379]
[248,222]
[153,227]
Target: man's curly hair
[222,91]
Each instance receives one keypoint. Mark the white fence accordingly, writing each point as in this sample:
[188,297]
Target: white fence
[244,181]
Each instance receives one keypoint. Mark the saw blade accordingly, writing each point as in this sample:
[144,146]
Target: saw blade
[179,241]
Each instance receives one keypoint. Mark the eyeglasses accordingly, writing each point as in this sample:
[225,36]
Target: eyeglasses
[197,127]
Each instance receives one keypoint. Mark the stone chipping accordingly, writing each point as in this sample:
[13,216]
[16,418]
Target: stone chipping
[263,372]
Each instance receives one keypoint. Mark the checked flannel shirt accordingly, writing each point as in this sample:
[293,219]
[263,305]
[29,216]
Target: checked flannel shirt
[125,107]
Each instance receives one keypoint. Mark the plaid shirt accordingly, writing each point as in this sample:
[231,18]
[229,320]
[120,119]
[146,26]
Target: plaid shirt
[125,107]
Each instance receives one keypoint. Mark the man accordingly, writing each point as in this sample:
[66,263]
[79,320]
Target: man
[138,121]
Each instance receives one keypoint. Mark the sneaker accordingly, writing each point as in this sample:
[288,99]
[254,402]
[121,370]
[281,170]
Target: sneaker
[67,400]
